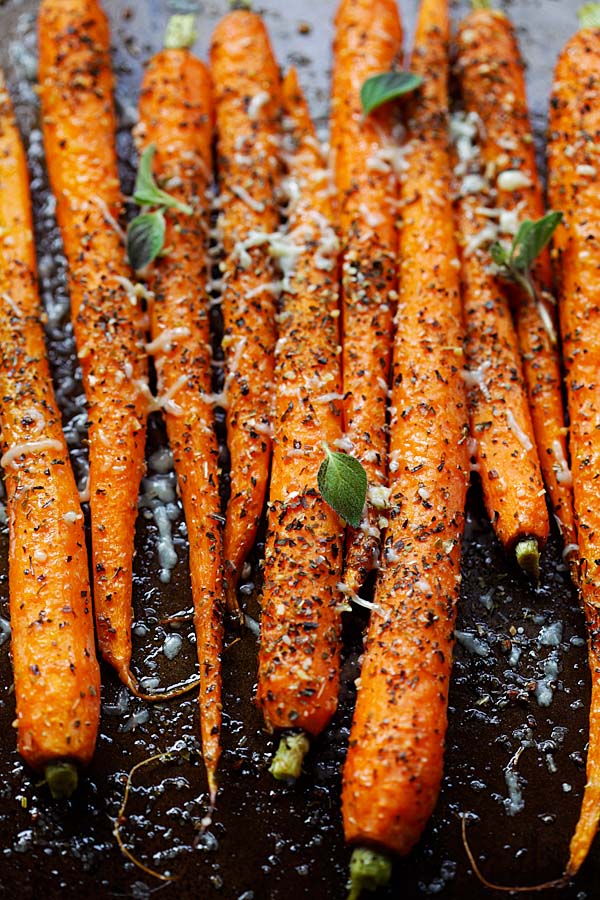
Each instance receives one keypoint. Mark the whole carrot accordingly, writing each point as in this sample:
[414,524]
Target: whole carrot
[493,82]
[368,38]
[247,94]
[301,610]
[76,88]
[393,768]
[572,186]
[57,679]
[176,116]
[501,424]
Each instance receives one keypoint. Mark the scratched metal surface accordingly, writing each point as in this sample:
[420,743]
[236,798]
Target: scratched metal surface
[268,841]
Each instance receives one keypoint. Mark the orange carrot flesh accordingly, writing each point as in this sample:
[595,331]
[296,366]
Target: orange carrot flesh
[176,116]
[393,768]
[368,39]
[301,610]
[493,82]
[79,131]
[247,92]
[57,679]
[501,424]
[572,187]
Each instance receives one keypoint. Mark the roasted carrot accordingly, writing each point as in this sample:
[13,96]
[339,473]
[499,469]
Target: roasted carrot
[501,424]
[493,82]
[247,92]
[573,163]
[393,768]
[301,609]
[57,679]
[79,136]
[176,116]
[368,37]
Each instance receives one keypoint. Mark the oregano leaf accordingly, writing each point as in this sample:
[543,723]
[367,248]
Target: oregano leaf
[343,485]
[531,238]
[499,254]
[380,89]
[147,192]
[145,238]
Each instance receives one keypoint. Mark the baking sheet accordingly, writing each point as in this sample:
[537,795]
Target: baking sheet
[268,840]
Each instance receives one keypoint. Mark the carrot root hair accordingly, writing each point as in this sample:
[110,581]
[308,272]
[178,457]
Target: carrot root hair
[168,756]
[177,690]
[519,889]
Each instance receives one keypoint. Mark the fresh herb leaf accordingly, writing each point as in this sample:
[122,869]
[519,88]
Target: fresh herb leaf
[515,263]
[343,485]
[500,254]
[532,237]
[388,86]
[181,32]
[589,15]
[145,238]
[147,192]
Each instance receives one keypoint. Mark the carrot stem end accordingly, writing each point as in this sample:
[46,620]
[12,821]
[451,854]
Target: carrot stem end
[369,870]
[181,32]
[527,553]
[287,762]
[62,779]
[589,15]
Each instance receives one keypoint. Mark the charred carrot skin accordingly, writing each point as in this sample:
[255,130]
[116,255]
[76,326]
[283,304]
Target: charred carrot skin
[247,94]
[501,424]
[176,116]
[368,38]
[394,764]
[493,82]
[301,610]
[57,679]
[79,130]
[572,186]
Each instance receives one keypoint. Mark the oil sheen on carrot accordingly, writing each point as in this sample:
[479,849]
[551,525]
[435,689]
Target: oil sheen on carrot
[76,89]
[176,115]
[394,764]
[57,679]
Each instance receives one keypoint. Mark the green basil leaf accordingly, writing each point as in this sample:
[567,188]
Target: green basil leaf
[499,254]
[387,86]
[343,485]
[147,192]
[589,15]
[145,239]
[531,238]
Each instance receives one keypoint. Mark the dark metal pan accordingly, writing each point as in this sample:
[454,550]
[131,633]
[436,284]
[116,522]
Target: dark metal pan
[518,646]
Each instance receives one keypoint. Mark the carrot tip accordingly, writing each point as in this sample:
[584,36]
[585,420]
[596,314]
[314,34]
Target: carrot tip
[527,553]
[369,870]
[589,15]
[62,779]
[287,762]
[181,32]
[232,603]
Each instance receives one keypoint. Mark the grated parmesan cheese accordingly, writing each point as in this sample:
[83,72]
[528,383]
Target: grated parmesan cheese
[27,448]
[518,431]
